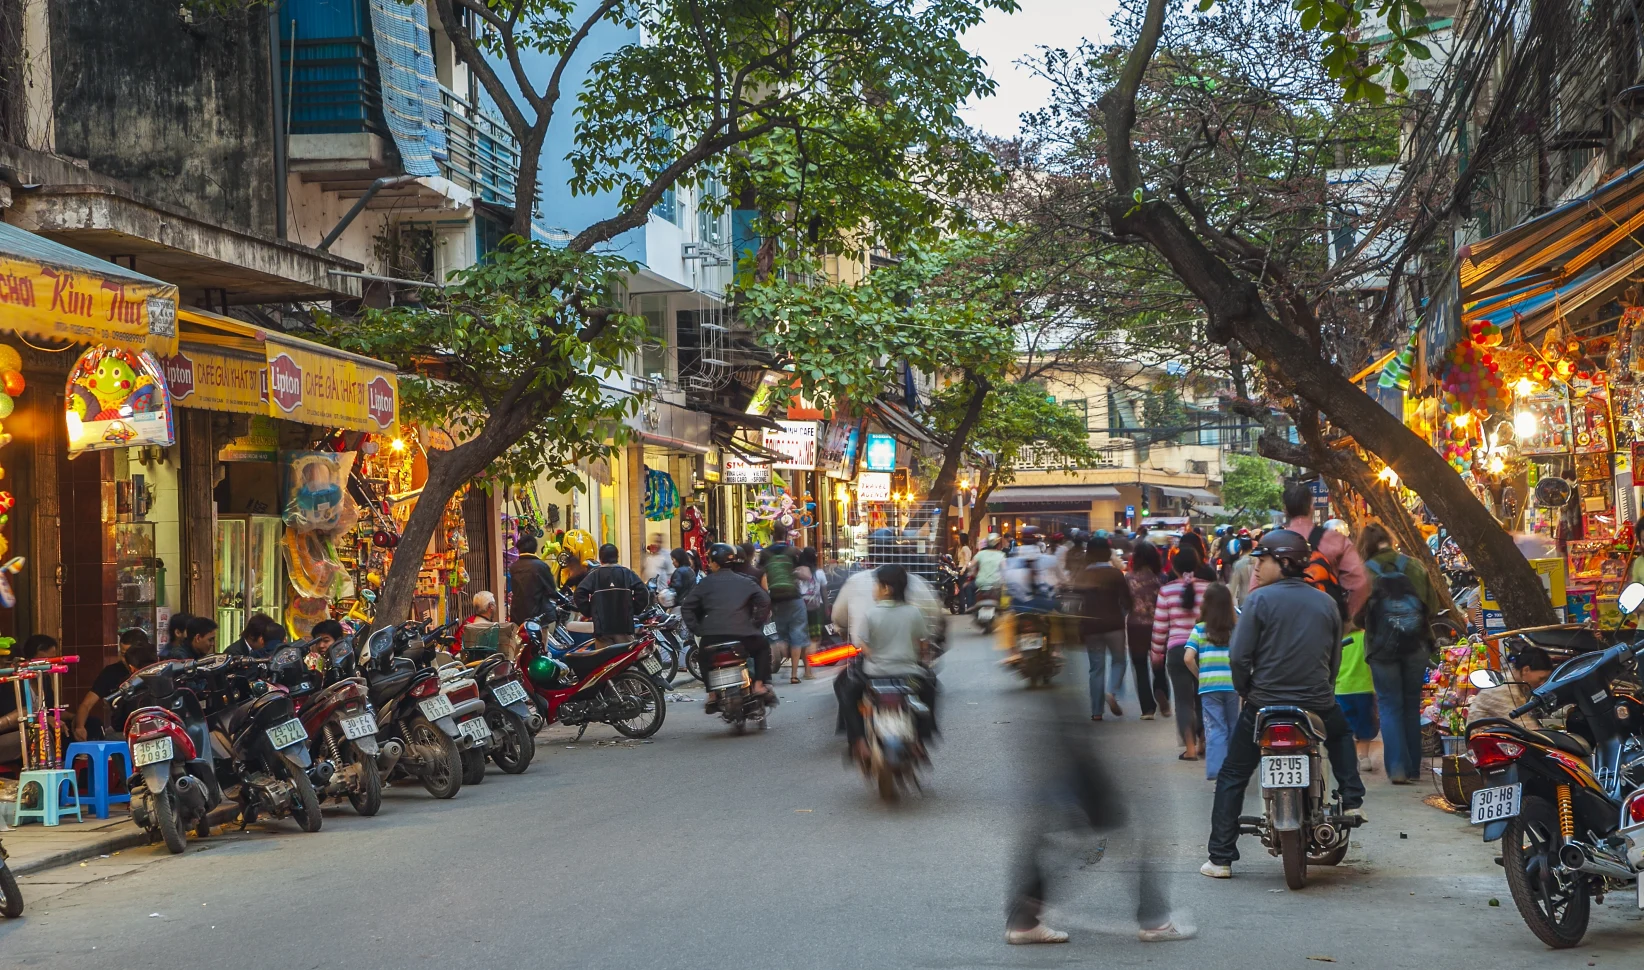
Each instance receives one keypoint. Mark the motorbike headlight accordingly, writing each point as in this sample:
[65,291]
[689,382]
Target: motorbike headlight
[1623,712]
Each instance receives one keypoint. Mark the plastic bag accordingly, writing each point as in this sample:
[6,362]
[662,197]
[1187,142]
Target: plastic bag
[314,493]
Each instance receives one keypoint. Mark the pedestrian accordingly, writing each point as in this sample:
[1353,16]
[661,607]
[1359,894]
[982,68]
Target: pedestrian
[532,582]
[1152,686]
[813,590]
[261,635]
[1240,576]
[1173,620]
[136,652]
[1398,640]
[1206,658]
[963,553]
[176,646]
[657,562]
[747,561]
[1104,604]
[1356,695]
[611,595]
[202,635]
[1335,547]
[779,570]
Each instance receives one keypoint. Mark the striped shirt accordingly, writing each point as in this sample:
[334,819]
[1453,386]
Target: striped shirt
[1173,622]
[1214,672]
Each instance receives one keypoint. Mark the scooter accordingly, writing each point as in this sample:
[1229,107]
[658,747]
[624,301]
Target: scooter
[335,706]
[618,685]
[730,684]
[416,726]
[267,742]
[1299,823]
[173,788]
[11,898]
[1037,660]
[512,721]
[987,607]
[896,723]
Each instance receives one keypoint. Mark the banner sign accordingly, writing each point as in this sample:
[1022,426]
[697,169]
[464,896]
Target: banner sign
[739,472]
[881,453]
[796,440]
[117,398]
[330,392]
[132,314]
[217,380]
[261,442]
[873,487]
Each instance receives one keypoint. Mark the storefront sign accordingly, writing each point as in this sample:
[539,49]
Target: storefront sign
[130,313]
[713,464]
[739,472]
[840,444]
[328,391]
[1552,575]
[218,381]
[881,453]
[764,393]
[873,487]
[796,440]
[261,442]
[116,398]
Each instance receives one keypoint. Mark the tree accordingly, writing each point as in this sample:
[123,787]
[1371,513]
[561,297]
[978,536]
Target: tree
[1250,487]
[1019,415]
[1206,140]
[829,114]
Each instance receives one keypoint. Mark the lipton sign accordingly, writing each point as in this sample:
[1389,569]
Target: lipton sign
[330,391]
[285,383]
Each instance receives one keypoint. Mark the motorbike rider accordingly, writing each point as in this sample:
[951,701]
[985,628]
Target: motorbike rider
[986,568]
[1286,650]
[894,646]
[727,604]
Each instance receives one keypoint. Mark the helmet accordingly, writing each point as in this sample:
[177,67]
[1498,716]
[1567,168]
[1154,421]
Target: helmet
[1282,544]
[993,538]
[722,554]
[1337,525]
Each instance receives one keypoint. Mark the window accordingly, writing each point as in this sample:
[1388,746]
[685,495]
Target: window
[1080,409]
[710,221]
[653,355]
[1198,467]
[667,207]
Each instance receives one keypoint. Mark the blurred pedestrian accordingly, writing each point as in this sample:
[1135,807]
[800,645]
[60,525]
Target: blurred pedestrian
[1356,696]
[813,591]
[1398,640]
[657,564]
[779,569]
[1173,620]
[1104,604]
[1206,658]
[1335,546]
[1152,686]
[176,646]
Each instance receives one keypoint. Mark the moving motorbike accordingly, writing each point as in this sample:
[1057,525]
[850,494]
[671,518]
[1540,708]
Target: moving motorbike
[1298,823]
[335,706]
[416,723]
[11,898]
[617,685]
[1037,659]
[1567,804]
[896,722]
[173,785]
[987,607]
[730,685]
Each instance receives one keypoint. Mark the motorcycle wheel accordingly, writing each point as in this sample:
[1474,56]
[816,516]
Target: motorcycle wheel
[887,784]
[307,809]
[1554,906]
[171,827]
[693,662]
[670,664]
[1331,858]
[11,898]
[515,747]
[1295,859]
[473,766]
[367,800]
[632,684]
[443,776]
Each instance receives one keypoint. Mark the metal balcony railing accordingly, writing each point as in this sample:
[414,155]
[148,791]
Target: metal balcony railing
[1114,455]
[484,156]
[333,86]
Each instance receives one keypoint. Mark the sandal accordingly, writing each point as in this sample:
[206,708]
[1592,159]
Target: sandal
[793,680]
[1184,756]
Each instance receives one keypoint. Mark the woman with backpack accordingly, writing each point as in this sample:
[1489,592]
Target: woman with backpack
[1398,641]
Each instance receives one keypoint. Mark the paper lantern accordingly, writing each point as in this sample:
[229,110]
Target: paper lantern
[10,359]
[13,382]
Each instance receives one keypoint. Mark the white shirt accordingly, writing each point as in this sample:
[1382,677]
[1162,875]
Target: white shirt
[657,563]
[854,605]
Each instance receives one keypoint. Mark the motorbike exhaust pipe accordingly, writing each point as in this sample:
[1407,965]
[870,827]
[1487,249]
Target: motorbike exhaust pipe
[1580,857]
[323,771]
[191,790]
[535,722]
[390,755]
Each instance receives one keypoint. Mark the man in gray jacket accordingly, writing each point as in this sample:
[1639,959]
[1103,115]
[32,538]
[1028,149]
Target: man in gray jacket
[1286,650]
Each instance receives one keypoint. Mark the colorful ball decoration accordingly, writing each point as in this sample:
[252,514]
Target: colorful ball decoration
[7,405]
[12,381]
[10,359]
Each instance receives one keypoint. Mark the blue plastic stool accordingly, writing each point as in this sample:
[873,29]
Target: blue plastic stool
[53,806]
[100,753]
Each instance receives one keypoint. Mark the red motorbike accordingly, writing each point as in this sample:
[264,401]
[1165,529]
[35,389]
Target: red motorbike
[173,787]
[618,685]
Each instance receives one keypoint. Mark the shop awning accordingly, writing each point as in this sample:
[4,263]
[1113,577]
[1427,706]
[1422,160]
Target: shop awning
[1070,495]
[1537,307]
[51,292]
[1191,494]
[225,364]
[738,419]
[1210,510]
[901,423]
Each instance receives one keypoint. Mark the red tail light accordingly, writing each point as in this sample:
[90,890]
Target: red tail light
[503,671]
[427,687]
[1285,735]
[467,692]
[1488,752]
[147,726]
[1635,808]
[832,655]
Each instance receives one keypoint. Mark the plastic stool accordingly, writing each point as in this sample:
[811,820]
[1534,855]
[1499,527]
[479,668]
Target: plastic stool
[100,753]
[53,806]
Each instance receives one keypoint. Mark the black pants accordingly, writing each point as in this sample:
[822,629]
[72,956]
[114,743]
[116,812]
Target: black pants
[1244,755]
[1151,687]
[756,647]
[1185,685]
[848,688]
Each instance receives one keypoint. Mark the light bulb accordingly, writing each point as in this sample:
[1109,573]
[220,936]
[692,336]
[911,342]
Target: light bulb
[1524,425]
[1388,475]
[1462,420]
[1497,464]
[1524,386]
[398,444]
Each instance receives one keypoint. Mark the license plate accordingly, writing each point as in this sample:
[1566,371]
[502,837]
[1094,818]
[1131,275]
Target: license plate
[726,677]
[437,707]
[512,692]
[651,665]
[476,728]
[770,629]
[984,613]
[287,734]
[362,726]
[1285,771]
[893,724]
[1495,804]
[148,752]
[1029,644]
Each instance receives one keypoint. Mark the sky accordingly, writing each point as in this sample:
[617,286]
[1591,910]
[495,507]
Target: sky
[1003,39]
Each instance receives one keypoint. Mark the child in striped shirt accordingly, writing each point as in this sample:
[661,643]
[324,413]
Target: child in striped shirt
[1206,656]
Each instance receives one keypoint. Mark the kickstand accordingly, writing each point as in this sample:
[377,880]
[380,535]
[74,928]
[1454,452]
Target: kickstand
[580,731]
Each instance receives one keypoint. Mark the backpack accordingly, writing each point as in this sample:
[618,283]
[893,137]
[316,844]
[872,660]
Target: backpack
[613,603]
[780,580]
[810,590]
[1398,624]
[1321,573]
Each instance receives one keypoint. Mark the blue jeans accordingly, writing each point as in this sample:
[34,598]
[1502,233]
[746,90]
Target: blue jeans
[1221,712]
[1398,699]
[1107,666]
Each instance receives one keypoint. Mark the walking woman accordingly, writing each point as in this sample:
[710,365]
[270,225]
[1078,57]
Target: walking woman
[1398,641]
[1173,620]
[1152,689]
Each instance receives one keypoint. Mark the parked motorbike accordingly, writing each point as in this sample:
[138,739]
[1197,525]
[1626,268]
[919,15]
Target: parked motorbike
[173,785]
[1567,804]
[1038,661]
[730,685]
[893,715]
[1299,824]
[618,685]
[11,898]
[512,721]
[335,706]
[269,756]
[952,586]
[987,607]
[416,723]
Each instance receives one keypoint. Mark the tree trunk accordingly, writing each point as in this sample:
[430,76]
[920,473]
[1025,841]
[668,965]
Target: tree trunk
[979,510]
[1237,312]
[942,490]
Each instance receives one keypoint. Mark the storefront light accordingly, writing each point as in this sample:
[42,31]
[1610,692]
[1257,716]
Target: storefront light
[1388,475]
[398,444]
[1462,420]
[1524,425]
[1497,464]
[1524,386]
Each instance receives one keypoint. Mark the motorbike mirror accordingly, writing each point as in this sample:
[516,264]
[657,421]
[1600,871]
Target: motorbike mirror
[1632,597]
[1484,679]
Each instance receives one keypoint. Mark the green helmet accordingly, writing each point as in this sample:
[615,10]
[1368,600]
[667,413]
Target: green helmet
[545,670]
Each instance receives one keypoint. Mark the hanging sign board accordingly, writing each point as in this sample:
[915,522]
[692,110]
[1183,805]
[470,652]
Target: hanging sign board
[739,472]
[117,398]
[796,440]
[62,303]
[330,391]
[880,453]
[217,381]
[261,442]
[873,487]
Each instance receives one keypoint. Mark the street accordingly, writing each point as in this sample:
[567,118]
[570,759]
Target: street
[705,849]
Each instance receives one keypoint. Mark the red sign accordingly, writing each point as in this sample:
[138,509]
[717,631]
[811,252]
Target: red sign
[179,375]
[285,382]
[379,401]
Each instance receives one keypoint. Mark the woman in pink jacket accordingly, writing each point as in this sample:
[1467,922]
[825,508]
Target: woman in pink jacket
[1173,619]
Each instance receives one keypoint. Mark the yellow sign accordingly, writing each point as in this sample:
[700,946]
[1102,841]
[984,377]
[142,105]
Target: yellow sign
[217,380]
[1552,579]
[330,391]
[83,307]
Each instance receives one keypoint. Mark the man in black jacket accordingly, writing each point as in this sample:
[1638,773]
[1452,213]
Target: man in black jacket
[611,594]
[727,604]
[532,581]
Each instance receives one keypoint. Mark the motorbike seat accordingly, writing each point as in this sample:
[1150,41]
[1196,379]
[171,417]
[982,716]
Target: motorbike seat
[585,662]
[232,719]
[1314,724]
[1561,740]
[387,686]
[1565,742]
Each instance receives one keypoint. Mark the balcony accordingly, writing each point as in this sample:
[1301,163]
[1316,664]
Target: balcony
[483,154]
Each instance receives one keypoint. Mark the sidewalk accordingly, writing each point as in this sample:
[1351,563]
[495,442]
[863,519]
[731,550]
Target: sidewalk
[34,847]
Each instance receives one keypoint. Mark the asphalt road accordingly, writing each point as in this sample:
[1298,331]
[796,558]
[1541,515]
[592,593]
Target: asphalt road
[707,850]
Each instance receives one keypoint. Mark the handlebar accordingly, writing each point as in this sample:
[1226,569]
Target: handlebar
[1526,707]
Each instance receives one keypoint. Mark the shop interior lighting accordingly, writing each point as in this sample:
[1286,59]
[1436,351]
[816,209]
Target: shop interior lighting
[1524,424]
[398,444]
[1462,420]
[1388,475]
[1497,464]
[1524,386]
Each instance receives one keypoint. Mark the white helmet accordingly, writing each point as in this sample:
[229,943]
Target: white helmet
[1337,525]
